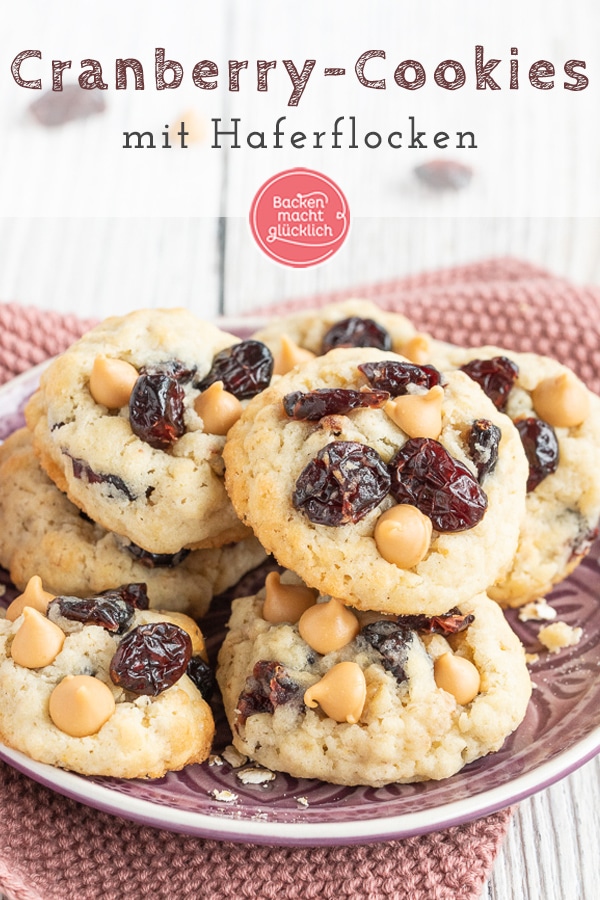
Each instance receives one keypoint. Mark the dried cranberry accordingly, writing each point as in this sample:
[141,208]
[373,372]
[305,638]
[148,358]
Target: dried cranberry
[268,687]
[112,613]
[451,622]
[173,367]
[484,440]
[495,377]
[541,449]
[444,174]
[156,410]
[392,641]
[84,472]
[584,540]
[356,332]
[135,593]
[426,476]
[313,405]
[344,482]
[156,560]
[151,658]
[54,108]
[394,376]
[245,369]
[202,675]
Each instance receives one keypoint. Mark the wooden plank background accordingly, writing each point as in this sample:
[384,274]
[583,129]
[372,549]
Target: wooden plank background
[86,227]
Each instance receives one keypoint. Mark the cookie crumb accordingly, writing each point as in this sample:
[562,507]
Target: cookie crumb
[255,776]
[531,658]
[559,635]
[536,611]
[232,756]
[224,796]
[302,801]
[215,760]
[2,590]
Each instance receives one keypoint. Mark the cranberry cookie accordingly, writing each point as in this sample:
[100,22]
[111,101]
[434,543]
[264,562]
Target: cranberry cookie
[101,687]
[43,533]
[131,420]
[352,323]
[558,419]
[355,698]
[379,481]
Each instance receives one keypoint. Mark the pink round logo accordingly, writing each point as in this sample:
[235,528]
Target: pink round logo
[299,218]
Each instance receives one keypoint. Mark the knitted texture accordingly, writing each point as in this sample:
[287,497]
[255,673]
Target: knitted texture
[52,848]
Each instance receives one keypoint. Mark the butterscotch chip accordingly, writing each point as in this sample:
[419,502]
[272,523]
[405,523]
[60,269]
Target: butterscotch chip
[458,676]
[294,710]
[418,415]
[37,641]
[285,602]
[403,535]
[562,400]
[217,408]
[290,355]
[34,595]
[80,705]
[328,626]
[112,381]
[341,692]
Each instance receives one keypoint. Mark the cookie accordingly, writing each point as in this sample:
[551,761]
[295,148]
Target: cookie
[560,417]
[340,496]
[406,699]
[116,425]
[43,533]
[84,697]
[357,323]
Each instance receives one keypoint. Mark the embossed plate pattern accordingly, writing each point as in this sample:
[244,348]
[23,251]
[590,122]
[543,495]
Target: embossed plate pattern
[559,733]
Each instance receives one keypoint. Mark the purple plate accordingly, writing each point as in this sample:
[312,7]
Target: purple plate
[561,731]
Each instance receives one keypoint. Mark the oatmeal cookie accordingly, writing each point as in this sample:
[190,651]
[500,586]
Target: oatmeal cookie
[559,420]
[43,533]
[402,505]
[356,322]
[116,425]
[74,695]
[406,699]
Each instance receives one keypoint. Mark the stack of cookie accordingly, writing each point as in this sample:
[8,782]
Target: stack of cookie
[115,490]
[401,498]
[119,477]
[407,488]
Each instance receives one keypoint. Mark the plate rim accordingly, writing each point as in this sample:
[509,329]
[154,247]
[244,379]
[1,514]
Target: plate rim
[242,829]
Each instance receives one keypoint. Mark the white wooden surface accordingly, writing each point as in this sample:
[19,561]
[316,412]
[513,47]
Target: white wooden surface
[85,228]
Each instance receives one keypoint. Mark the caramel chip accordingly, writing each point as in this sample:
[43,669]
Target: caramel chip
[34,595]
[289,356]
[37,641]
[328,626]
[417,349]
[80,705]
[458,676]
[562,401]
[403,535]
[418,415]
[112,381]
[218,409]
[285,602]
[341,693]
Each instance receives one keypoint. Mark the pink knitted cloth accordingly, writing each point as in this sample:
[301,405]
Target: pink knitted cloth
[52,848]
